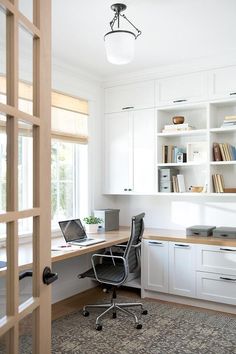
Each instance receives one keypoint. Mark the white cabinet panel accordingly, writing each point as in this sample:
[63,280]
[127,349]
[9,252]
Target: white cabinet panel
[223,82]
[130,152]
[182,269]
[133,96]
[118,153]
[180,89]
[155,265]
[216,259]
[216,287]
[144,151]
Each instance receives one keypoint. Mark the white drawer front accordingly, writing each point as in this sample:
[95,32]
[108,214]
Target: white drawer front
[216,259]
[216,287]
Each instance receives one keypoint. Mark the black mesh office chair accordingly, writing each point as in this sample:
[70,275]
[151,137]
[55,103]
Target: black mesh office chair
[115,270]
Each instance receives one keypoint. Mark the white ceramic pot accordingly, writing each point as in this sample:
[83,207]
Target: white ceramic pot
[91,228]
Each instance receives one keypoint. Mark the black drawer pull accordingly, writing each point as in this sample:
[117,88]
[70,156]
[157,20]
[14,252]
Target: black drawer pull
[129,189]
[180,245]
[232,93]
[196,233]
[155,243]
[129,107]
[227,249]
[125,189]
[178,101]
[230,279]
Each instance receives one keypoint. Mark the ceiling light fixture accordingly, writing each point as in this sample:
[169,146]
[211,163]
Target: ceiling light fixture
[120,43]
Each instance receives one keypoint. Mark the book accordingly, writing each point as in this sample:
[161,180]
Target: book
[181,183]
[222,152]
[219,182]
[216,152]
[230,118]
[215,184]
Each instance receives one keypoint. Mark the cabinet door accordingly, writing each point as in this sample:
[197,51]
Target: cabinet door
[118,153]
[223,83]
[144,151]
[216,259]
[134,96]
[181,89]
[216,287]
[155,265]
[181,269]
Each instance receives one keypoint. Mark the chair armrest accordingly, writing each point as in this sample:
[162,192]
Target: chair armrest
[100,280]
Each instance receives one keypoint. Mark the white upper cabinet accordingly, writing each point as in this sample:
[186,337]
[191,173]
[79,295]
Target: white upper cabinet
[133,96]
[223,83]
[181,89]
[130,152]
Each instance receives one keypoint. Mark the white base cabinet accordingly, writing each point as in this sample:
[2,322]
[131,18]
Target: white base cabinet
[154,273]
[192,270]
[182,269]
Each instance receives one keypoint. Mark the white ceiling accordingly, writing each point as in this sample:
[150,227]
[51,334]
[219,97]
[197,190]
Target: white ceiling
[173,31]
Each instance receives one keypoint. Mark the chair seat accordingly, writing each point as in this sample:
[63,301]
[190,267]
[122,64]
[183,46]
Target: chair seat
[106,272]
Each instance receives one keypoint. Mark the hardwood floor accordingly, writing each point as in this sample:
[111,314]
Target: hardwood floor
[76,302]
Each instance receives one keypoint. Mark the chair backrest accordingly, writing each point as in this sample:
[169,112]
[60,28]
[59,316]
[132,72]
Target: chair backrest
[131,253]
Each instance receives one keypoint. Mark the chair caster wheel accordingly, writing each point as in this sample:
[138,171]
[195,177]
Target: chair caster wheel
[144,312]
[139,326]
[114,315]
[85,313]
[98,327]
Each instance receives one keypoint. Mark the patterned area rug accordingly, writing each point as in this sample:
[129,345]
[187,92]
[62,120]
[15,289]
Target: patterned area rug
[167,329]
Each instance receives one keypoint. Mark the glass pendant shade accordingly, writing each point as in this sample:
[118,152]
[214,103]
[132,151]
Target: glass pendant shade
[120,46]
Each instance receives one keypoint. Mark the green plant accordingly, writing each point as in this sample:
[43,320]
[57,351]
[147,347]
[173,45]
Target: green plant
[92,220]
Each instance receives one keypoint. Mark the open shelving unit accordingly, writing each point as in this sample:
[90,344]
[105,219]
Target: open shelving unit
[207,120]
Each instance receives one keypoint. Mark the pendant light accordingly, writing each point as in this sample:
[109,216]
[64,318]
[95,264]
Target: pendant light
[120,43]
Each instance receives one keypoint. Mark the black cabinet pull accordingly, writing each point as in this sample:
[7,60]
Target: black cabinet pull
[48,276]
[230,279]
[232,93]
[179,101]
[227,249]
[155,243]
[29,273]
[180,245]
[129,189]
[129,107]
[125,189]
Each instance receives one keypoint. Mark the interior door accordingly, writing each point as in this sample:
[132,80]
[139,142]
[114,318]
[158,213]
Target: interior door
[25,105]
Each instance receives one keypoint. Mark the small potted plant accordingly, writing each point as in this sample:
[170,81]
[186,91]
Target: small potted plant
[91,223]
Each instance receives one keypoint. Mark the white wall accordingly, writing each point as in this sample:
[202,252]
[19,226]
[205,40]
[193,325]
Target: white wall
[178,212]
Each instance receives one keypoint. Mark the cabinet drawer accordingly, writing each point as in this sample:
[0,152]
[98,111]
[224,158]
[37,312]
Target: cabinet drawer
[181,89]
[216,259]
[216,287]
[166,187]
[127,97]
[165,174]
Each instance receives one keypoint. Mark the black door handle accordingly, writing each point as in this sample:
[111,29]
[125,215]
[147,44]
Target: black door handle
[48,276]
[29,273]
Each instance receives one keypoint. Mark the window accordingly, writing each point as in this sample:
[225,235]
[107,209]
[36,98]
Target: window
[69,177]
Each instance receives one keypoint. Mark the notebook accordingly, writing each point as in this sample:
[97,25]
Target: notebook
[74,233]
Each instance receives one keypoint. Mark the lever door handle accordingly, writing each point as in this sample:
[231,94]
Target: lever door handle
[48,276]
[29,273]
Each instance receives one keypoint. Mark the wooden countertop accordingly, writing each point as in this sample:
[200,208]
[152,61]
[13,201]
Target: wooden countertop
[180,236]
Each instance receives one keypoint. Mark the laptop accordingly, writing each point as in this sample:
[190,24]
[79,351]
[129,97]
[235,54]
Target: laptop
[74,233]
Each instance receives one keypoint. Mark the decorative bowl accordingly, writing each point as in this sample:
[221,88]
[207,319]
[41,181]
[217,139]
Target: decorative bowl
[196,189]
[178,120]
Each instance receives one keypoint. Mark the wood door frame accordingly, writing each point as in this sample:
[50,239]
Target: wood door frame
[40,303]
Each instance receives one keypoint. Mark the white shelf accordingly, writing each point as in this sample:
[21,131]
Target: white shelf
[188,194]
[223,162]
[223,130]
[184,164]
[184,133]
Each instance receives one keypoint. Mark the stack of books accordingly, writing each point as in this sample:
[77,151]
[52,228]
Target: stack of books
[172,128]
[218,183]
[178,184]
[170,153]
[229,121]
[224,152]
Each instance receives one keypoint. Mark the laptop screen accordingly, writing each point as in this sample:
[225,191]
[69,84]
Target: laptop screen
[72,230]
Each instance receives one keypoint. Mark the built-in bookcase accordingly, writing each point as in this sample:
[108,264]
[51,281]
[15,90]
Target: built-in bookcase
[206,120]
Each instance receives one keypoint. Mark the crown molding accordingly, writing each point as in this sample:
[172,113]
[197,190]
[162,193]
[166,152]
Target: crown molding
[195,65]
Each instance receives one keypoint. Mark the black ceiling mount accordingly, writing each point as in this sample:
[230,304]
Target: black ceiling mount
[118,7]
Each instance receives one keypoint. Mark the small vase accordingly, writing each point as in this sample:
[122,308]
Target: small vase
[91,228]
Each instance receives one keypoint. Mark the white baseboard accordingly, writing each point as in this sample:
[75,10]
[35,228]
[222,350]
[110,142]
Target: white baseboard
[210,305]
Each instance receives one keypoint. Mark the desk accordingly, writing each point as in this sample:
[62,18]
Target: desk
[25,250]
